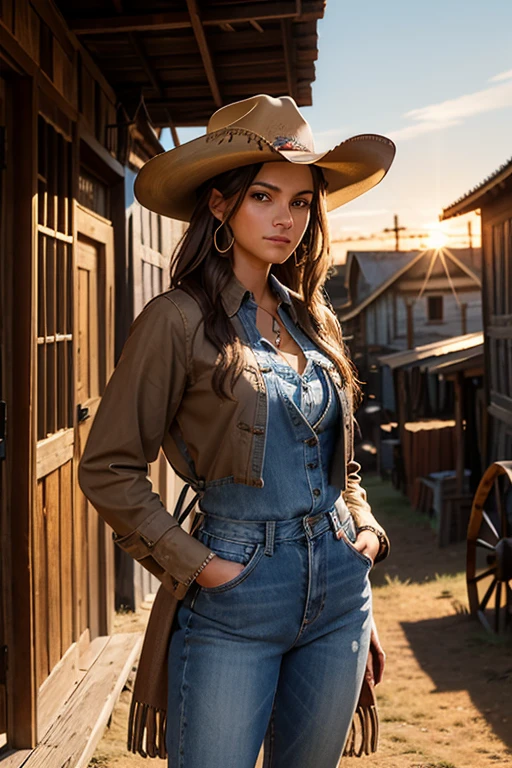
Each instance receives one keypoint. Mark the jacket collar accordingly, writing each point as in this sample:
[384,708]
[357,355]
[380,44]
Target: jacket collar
[234,294]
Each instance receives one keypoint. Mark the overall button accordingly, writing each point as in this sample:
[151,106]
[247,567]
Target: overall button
[312,465]
[316,491]
[311,441]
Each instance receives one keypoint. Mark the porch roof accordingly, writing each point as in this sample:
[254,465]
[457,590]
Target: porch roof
[188,59]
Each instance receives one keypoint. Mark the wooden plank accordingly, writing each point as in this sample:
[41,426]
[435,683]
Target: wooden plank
[72,739]
[66,555]
[242,12]
[40,591]
[56,689]
[53,567]
[204,50]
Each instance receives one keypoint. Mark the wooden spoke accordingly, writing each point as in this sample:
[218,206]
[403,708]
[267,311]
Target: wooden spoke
[488,572]
[488,594]
[490,524]
[485,544]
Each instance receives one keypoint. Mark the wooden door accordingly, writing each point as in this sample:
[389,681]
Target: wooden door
[94,322]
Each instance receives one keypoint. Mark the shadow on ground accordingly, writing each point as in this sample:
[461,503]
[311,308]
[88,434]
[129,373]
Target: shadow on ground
[458,655]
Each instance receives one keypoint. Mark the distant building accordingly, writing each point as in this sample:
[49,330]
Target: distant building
[391,301]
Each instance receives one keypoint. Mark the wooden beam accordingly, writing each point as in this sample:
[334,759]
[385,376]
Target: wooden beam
[244,12]
[202,44]
[289,56]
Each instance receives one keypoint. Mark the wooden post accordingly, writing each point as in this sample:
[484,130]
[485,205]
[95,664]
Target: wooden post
[410,325]
[22,701]
[459,431]
[464,318]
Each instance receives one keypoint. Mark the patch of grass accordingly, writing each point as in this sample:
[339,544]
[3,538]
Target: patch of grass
[396,581]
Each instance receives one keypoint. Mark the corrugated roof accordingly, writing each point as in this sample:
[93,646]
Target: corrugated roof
[433,351]
[378,266]
[473,199]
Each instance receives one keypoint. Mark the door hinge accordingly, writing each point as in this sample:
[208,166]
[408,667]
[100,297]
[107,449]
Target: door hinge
[4,664]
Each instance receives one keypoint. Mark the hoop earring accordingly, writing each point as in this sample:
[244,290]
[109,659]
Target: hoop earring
[215,240]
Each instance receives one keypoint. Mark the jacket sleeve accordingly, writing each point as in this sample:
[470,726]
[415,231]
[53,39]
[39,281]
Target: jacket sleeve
[356,500]
[138,405]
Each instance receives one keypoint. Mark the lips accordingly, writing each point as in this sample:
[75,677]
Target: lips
[278,239]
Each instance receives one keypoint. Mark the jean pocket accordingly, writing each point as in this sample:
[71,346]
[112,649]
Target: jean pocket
[350,532]
[247,555]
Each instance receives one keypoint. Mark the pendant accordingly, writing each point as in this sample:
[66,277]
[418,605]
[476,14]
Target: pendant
[277,331]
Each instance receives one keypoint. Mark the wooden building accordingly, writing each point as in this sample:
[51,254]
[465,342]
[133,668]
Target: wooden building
[493,198]
[79,84]
[398,300]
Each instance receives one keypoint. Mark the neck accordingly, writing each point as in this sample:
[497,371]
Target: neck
[255,279]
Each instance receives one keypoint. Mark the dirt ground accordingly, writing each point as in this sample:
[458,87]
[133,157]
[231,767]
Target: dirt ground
[446,697]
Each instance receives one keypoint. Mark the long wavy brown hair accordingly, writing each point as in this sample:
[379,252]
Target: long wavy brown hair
[200,270]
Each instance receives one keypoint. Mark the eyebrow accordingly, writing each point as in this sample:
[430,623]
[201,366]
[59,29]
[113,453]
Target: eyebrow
[278,189]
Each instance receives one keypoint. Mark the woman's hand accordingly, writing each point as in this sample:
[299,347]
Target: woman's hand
[367,542]
[377,654]
[218,571]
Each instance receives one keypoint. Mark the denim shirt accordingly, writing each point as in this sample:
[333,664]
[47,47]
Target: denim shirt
[302,422]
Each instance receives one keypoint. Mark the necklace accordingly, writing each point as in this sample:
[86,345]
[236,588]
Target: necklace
[276,328]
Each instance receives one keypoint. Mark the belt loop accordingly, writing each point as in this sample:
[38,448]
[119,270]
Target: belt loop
[270,532]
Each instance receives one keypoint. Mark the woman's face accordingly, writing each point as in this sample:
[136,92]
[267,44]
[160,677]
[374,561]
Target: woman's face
[273,215]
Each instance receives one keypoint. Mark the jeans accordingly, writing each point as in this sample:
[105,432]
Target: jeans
[277,653]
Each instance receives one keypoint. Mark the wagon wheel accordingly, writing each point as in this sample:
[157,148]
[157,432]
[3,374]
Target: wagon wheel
[489,549]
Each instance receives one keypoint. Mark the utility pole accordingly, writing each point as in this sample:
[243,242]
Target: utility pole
[396,229]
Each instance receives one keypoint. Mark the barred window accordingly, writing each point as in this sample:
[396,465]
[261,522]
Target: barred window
[54,283]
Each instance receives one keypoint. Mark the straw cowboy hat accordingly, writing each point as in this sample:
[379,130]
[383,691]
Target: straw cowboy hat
[261,129]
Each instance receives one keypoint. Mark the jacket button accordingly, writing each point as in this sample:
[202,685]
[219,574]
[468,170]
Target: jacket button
[316,491]
[312,465]
[312,441]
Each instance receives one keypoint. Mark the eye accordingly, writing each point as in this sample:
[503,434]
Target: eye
[259,195]
[302,203]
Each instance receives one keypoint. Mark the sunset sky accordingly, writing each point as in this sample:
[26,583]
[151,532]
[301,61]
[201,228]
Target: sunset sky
[434,76]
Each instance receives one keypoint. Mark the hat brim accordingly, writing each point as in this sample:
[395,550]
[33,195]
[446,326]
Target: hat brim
[167,183]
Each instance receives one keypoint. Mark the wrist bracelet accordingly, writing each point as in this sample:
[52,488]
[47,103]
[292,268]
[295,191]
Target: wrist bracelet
[383,544]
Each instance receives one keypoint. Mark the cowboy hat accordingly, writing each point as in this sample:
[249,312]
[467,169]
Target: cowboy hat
[261,129]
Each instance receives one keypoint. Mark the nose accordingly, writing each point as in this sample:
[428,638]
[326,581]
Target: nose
[283,217]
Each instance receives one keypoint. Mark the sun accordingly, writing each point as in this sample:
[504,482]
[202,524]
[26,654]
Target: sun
[436,240]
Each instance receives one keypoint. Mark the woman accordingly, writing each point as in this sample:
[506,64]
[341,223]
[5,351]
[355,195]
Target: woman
[240,373]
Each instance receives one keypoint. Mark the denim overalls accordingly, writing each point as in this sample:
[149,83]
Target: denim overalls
[280,650]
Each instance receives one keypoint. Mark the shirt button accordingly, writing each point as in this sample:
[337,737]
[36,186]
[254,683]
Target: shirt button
[312,465]
[316,491]
[311,441]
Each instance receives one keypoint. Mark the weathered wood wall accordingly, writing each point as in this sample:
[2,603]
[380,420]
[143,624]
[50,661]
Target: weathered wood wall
[497,302]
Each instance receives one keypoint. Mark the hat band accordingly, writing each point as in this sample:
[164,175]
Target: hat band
[289,143]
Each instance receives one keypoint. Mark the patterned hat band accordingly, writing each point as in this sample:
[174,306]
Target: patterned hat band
[289,143]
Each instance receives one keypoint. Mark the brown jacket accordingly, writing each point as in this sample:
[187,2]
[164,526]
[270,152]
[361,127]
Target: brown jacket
[160,395]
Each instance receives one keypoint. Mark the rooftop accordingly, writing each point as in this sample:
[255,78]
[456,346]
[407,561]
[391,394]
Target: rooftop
[483,192]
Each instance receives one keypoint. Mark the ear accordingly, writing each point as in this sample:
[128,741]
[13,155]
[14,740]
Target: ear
[217,204]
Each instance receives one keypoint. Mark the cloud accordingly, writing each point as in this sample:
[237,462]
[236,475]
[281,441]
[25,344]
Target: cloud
[436,117]
[502,76]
